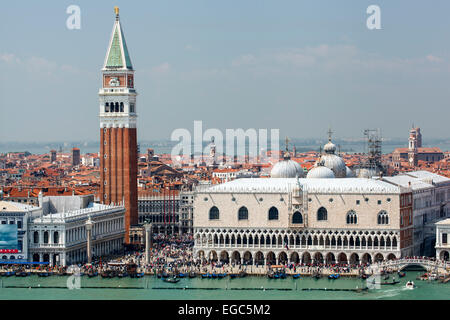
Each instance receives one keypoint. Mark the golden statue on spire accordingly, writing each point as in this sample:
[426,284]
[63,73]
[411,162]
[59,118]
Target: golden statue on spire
[116,10]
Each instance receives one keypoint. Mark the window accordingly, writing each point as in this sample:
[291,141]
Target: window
[273,213]
[322,214]
[352,217]
[36,237]
[107,107]
[19,224]
[297,217]
[243,213]
[214,213]
[357,201]
[132,107]
[379,201]
[46,237]
[383,217]
[444,238]
[121,107]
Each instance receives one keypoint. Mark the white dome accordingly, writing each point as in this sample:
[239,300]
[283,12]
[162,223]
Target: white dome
[320,172]
[349,172]
[287,169]
[329,147]
[334,163]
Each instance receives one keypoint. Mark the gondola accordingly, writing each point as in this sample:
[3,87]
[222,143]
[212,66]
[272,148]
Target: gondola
[295,276]
[139,274]
[122,274]
[233,275]
[205,276]
[7,274]
[105,274]
[334,276]
[364,276]
[21,274]
[181,275]
[222,275]
[242,274]
[214,275]
[43,274]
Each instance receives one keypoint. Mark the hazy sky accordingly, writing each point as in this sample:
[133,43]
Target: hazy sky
[300,66]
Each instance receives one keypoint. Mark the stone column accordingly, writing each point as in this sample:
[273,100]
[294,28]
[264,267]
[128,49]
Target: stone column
[148,241]
[89,239]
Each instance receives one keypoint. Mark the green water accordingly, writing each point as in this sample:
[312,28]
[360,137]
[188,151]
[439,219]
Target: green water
[145,288]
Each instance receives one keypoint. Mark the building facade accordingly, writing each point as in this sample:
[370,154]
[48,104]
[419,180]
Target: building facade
[431,203]
[442,241]
[279,220]
[118,140]
[57,232]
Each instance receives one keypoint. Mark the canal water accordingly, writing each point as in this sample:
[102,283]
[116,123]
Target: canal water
[259,288]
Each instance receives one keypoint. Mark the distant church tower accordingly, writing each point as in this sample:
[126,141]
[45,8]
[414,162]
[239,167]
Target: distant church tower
[414,142]
[118,139]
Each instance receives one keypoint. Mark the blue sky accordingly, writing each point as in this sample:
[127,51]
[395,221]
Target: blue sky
[300,66]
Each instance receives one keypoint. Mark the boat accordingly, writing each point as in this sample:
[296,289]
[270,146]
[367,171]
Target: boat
[122,274]
[105,274]
[171,279]
[181,275]
[295,276]
[205,276]
[139,274]
[164,275]
[222,275]
[242,274]
[43,274]
[390,282]
[7,274]
[92,274]
[21,274]
[192,274]
[233,275]
[214,275]
[364,276]
[401,274]
[334,276]
[410,285]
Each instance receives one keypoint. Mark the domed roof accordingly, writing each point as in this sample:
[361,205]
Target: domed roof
[335,163]
[287,169]
[349,172]
[320,172]
[330,147]
[366,173]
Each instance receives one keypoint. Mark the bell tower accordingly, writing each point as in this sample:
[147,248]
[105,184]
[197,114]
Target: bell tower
[118,138]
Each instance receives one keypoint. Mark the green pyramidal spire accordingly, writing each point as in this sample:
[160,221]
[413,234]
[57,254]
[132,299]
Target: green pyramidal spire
[117,56]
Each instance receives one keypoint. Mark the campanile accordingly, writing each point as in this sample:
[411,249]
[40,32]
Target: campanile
[118,139]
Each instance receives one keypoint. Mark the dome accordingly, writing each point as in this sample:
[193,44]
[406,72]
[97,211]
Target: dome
[287,169]
[330,147]
[349,172]
[320,172]
[335,163]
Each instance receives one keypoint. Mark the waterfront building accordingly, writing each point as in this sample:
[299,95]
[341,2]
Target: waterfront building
[57,230]
[17,214]
[118,140]
[431,203]
[278,220]
[442,241]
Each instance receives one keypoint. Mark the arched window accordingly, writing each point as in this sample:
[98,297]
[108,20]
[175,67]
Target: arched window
[36,237]
[383,217]
[46,237]
[121,107]
[214,213]
[56,237]
[243,213]
[107,107]
[273,213]
[351,217]
[322,214]
[297,217]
